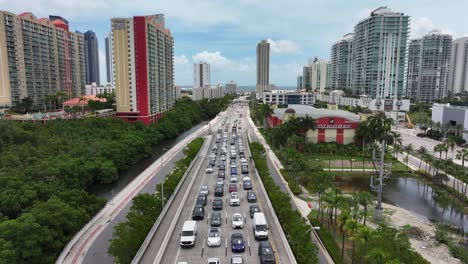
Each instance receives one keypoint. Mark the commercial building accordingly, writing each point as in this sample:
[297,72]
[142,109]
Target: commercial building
[341,63]
[143,52]
[263,67]
[39,57]
[95,89]
[428,67]
[201,74]
[91,57]
[379,50]
[458,73]
[231,87]
[109,60]
[286,97]
[208,92]
[377,105]
[453,115]
[332,125]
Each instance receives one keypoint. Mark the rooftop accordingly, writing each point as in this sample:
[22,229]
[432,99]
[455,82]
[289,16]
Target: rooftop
[303,110]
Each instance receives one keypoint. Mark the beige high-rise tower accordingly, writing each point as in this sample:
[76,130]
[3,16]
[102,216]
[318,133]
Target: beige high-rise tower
[263,67]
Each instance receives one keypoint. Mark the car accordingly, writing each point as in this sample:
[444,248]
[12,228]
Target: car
[219,191]
[213,156]
[266,253]
[243,160]
[198,212]
[244,169]
[232,187]
[212,162]
[251,197]
[214,237]
[216,218]
[223,157]
[201,199]
[237,221]
[233,178]
[234,200]
[245,177]
[217,204]
[237,259]
[222,167]
[233,162]
[219,181]
[221,174]
[213,261]
[254,209]
[234,171]
[205,190]
[241,155]
[247,185]
[237,242]
[209,170]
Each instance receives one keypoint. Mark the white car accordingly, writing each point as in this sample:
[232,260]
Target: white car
[246,178]
[237,221]
[219,181]
[236,259]
[204,190]
[214,261]
[214,237]
[233,179]
[234,200]
[209,170]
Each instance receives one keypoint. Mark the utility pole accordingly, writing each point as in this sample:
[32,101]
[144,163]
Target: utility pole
[384,173]
[162,183]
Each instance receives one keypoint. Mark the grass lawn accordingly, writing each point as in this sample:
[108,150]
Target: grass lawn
[355,162]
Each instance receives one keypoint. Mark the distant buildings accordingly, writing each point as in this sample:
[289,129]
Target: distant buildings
[285,97]
[341,63]
[263,67]
[40,57]
[307,77]
[379,50]
[231,87]
[95,89]
[109,60]
[458,74]
[91,57]
[143,53]
[201,74]
[299,82]
[428,67]
[208,92]
[315,75]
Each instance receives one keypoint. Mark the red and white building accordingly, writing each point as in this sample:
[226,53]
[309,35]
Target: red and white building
[332,125]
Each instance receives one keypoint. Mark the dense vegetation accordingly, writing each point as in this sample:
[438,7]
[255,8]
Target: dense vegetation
[294,226]
[46,170]
[128,236]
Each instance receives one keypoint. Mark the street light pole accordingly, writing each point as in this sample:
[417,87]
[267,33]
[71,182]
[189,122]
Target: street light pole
[162,184]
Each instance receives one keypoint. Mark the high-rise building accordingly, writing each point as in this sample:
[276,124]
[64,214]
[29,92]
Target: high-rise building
[315,75]
[201,74]
[307,77]
[379,50]
[40,57]
[263,67]
[143,53]
[341,63]
[91,57]
[458,73]
[109,60]
[299,82]
[231,87]
[208,92]
[428,67]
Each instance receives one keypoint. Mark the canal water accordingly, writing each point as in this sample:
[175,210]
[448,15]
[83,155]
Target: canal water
[413,195]
[109,190]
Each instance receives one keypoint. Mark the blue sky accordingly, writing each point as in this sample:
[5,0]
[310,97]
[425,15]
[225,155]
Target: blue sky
[225,32]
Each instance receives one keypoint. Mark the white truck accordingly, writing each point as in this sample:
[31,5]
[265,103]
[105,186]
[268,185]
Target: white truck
[188,234]
[260,226]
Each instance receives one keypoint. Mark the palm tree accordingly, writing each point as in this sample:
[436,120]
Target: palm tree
[342,219]
[320,183]
[459,129]
[462,155]
[351,227]
[364,235]
[440,148]
[263,112]
[422,151]
[397,149]
[365,199]
[408,149]
[377,256]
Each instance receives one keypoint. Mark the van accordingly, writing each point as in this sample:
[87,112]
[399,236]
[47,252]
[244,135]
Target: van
[188,234]
[260,226]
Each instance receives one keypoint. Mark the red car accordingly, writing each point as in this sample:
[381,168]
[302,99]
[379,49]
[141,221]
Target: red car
[232,187]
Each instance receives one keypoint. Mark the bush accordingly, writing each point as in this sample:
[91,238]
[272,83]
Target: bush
[328,240]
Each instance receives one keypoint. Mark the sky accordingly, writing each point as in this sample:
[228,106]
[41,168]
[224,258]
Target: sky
[225,33]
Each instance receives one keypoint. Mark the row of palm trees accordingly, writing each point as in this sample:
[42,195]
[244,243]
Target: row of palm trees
[445,128]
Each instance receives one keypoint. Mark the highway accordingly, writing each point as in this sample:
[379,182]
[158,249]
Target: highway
[164,246]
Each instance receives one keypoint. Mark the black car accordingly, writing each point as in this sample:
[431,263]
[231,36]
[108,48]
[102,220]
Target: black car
[219,191]
[201,199]
[245,169]
[254,209]
[198,212]
[247,185]
[251,197]
[216,219]
[265,252]
[218,204]
[242,155]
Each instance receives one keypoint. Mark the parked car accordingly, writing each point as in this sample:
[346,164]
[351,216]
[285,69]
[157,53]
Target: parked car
[266,253]
[217,204]
[216,218]
[251,197]
[214,237]
[237,221]
[232,187]
[247,185]
[198,212]
[237,243]
[254,209]
[234,200]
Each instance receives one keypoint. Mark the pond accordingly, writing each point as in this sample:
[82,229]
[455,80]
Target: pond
[413,195]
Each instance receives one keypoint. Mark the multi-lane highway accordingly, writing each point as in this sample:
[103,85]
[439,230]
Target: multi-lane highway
[164,245]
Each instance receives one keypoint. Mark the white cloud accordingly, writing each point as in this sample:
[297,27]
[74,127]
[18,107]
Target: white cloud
[220,63]
[181,59]
[421,26]
[283,46]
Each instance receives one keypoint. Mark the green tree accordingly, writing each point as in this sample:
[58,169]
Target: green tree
[342,219]
[377,256]
[352,227]
[364,235]
[422,152]
[319,184]
[365,199]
